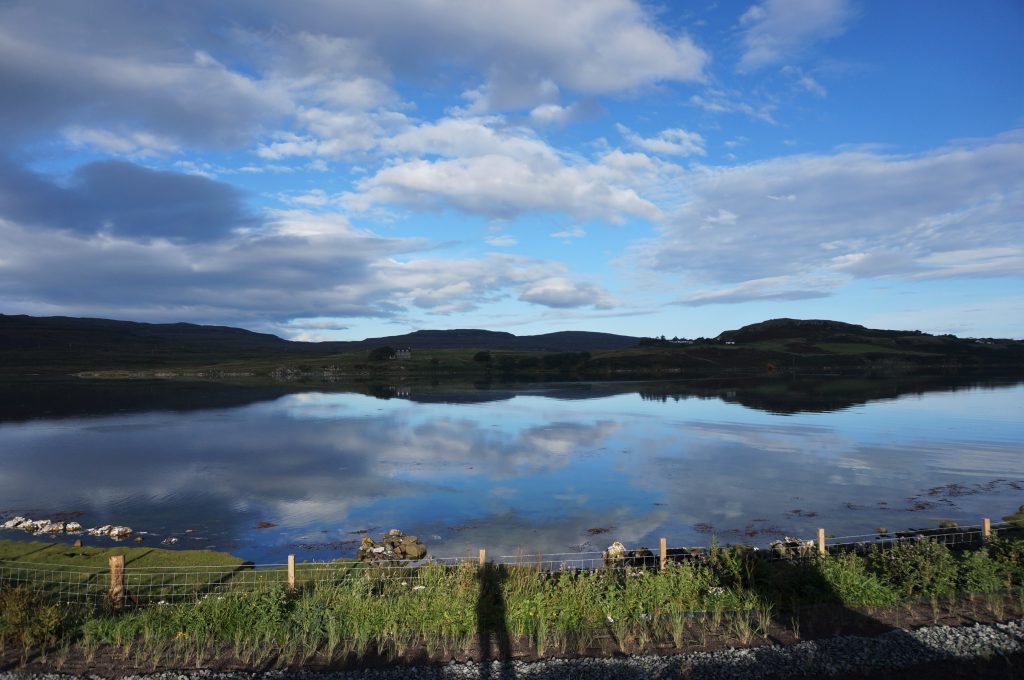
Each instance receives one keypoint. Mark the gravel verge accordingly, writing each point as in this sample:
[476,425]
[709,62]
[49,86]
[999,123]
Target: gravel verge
[838,656]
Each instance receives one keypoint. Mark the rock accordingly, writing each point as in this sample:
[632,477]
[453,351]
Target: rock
[99,531]
[78,543]
[138,539]
[615,556]
[72,527]
[15,523]
[393,546]
[52,528]
[415,551]
[791,548]
[170,540]
[117,533]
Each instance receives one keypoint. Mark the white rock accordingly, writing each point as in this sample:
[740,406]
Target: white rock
[100,531]
[119,532]
[15,522]
[72,527]
[615,550]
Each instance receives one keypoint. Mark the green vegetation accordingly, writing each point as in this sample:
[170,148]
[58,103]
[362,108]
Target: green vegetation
[338,608]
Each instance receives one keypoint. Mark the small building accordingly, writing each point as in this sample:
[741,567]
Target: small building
[403,353]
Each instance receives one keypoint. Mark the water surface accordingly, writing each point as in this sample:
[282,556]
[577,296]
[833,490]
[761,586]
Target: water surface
[538,468]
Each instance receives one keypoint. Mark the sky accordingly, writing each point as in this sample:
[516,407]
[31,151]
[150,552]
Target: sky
[335,170]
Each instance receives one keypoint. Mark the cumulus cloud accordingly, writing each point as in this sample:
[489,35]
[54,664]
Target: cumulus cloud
[202,256]
[778,29]
[951,212]
[124,199]
[91,85]
[503,172]
[112,71]
[561,292]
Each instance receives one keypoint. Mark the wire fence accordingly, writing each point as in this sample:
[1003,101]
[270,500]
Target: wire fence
[120,585]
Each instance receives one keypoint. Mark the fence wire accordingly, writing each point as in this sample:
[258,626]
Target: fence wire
[67,584]
[970,536]
[148,585]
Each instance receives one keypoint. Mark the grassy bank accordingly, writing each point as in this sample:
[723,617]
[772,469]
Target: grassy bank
[445,610]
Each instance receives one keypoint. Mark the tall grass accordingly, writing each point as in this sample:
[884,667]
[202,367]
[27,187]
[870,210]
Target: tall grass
[449,609]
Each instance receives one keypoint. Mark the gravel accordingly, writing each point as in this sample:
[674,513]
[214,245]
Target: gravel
[895,650]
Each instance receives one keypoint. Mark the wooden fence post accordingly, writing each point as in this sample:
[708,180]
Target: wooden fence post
[821,542]
[116,590]
[664,553]
[291,572]
[483,557]
[986,528]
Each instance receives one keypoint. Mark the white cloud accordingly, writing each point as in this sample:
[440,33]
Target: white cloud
[570,233]
[134,144]
[489,169]
[561,292]
[299,264]
[719,101]
[951,212]
[778,29]
[503,241]
[672,142]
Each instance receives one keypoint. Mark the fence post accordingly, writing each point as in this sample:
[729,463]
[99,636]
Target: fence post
[116,590]
[986,528]
[664,553]
[291,572]
[821,542]
[483,557]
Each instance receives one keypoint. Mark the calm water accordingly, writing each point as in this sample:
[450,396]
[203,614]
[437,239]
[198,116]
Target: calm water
[508,469]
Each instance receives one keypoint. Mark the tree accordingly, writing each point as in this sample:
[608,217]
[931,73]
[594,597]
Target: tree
[482,355]
[382,353]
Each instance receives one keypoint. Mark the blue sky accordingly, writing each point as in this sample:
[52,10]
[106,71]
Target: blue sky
[340,170]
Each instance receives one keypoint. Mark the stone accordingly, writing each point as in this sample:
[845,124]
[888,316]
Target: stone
[15,522]
[117,533]
[615,555]
[78,543]
[393,546]
[72,527]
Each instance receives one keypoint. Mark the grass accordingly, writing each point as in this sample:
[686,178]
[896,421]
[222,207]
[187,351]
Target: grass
[341,609]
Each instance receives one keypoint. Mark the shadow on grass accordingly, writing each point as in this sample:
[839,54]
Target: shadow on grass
[492,624]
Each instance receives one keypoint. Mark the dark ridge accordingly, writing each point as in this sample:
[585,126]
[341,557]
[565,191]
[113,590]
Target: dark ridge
[62,343]
[811,330]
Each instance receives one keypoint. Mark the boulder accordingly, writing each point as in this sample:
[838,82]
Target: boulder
[118,533]
[15,522]
[793,548]
[615,555]
[393,546]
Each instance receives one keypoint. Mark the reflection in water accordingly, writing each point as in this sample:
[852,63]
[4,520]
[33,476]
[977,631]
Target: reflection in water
[534,470]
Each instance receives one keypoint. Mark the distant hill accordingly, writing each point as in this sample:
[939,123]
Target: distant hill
[564,341]
[809,330]
[63,343]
